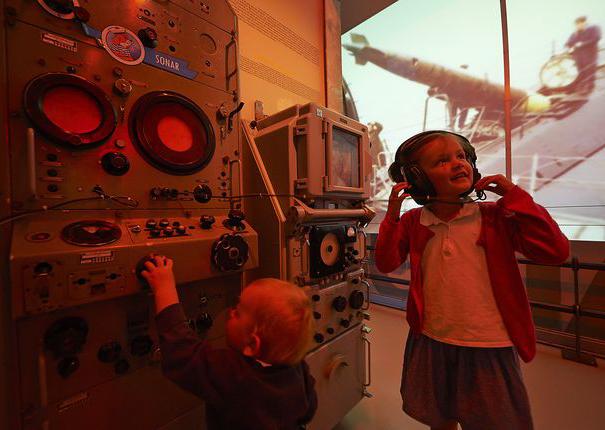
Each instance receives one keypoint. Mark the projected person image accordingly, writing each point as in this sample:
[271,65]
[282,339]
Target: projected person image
[584,47]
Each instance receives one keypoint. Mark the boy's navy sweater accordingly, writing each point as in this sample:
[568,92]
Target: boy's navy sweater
[239,392]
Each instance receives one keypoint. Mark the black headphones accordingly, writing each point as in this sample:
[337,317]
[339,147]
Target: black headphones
[404,169]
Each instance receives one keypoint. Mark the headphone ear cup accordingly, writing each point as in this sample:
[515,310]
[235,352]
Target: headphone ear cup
[395,172]
[421,184]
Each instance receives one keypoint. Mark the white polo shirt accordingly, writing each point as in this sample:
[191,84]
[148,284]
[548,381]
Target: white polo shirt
[459,304]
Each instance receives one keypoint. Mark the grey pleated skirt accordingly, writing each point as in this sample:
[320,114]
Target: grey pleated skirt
[481,388]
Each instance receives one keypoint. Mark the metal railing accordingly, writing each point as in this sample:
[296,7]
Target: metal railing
[577,310]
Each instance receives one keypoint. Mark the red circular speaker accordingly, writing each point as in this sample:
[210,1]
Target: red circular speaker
[69,110]
[72,109]
[171,132]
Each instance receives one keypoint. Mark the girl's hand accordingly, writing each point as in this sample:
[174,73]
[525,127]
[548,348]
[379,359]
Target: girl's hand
[396,199]
[495,183]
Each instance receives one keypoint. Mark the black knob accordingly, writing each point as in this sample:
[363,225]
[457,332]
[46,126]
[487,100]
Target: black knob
[141,345]
[345,323]
[315,297]
[67,366]
[155,193]
[109,352]
[168,231]
[164,222]
[206,221]
[316,315]
[356,299]
[176,223]
[66,336]
[330,330]
[141,266]
[121,366]
[155,232]
[115,163]
[203,321]
[235,217]
[149,37]
[202,193]
[319,338]
[339,303]
[181,229]
[43,268]
[230,252]
[165,192]
[151,223]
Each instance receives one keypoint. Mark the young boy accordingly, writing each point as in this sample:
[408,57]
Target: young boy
[260,381]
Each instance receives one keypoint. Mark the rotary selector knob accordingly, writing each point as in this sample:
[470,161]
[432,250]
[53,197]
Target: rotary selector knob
[66,336]
[234,220]
[155,193]
[202,193]
[151,224]
[141,266]
[168,231]
[122,87]
[67,366]
[345,323]
[43,268]
[356,299]
[155,232]
[206,221]
[115,163]
[109,352]
[164,223]
[181,229]
[149,37]
[230,252]
[141,345]
[203,322]
[339,303]
[319,338]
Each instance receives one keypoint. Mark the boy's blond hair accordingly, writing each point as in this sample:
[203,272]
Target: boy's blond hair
[281,312]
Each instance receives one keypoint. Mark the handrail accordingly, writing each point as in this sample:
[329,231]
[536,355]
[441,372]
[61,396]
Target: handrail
[576,354]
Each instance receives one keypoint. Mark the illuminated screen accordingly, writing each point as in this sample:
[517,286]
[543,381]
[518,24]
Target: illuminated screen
[344,171]
[72,109]
[438,64]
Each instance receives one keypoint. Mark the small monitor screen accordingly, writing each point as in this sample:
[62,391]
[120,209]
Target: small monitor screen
[344,171]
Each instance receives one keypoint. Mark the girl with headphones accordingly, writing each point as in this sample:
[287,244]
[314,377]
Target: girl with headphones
[467,307]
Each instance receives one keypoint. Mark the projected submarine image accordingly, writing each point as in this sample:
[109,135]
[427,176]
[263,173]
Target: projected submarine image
[555,129]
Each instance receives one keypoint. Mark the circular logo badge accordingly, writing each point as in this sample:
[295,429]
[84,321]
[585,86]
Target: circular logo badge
[123,45]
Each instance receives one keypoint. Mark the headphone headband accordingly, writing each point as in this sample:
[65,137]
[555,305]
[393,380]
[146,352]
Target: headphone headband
[417,141]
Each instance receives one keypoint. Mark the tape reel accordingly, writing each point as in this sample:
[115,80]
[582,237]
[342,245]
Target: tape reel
[330,249]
